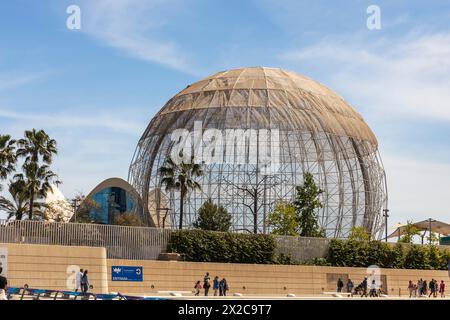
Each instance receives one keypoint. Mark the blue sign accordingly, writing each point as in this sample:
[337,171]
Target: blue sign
[127,273]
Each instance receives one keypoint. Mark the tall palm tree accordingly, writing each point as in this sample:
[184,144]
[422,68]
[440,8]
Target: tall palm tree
[7,156]
[37,183]
[180,177]
[19,206]
[37,146]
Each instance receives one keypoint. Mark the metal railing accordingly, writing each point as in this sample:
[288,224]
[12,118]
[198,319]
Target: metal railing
[134,243]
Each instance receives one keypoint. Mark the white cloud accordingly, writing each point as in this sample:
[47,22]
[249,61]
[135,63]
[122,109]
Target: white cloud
[123,122]
[397,83]
[418,190]
[11,81]
[132,26]
[409,77]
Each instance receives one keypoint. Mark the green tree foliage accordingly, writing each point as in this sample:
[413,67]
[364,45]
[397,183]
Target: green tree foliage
[284,219]
[128,219]
[306,203]
[7,156]
[37,181]
[351,253]
[38,149]
[86,212]
[213,217]
[180,177]
[19,206]
[208,246]
[410,231]
[359,234]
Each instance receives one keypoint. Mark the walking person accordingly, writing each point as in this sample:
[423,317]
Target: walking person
[350,286]
[206,283]
[442,289]
[420,287]
[197,288]
[436,288]
[364,287]
[373,289]
[216,285]
[78,280]
[3,286]
[424,288]
[85,282]
[411,288]
[432,288]
[340,285]
[224,287]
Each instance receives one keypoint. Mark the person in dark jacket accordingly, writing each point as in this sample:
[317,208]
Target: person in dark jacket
[340,285]
[3,286]
[364,287]
[223,287]
[85,282]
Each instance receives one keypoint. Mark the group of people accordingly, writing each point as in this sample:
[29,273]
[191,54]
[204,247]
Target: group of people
[360,289]
[422,288]
[220,287]
[82,281]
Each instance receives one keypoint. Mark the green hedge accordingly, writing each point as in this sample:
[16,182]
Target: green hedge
[347,253]
[207,246]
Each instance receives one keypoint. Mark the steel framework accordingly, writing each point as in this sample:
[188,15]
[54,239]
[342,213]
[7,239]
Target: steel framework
[315,131]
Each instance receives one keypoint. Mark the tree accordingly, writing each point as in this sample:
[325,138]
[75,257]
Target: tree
[359,234]
[19,205]
[252,191]
[306,203]
[180,177]
[284,219]
[86,207]
[7,156]
[410,231]
[37,181]
[57,211]
[213,217]
[128,219]
[37,147]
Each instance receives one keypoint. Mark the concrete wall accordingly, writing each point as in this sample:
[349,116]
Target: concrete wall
[259,279]
[44,266]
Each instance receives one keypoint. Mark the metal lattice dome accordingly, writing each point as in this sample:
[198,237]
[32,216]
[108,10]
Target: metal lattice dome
[266,113]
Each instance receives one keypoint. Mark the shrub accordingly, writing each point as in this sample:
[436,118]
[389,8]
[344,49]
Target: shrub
[208,246]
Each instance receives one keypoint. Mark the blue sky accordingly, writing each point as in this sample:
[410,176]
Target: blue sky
[95,89]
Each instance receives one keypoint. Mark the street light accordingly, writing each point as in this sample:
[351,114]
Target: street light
[75,205]
[386,216]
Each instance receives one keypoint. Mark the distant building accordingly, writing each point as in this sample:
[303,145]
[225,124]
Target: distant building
[114,197]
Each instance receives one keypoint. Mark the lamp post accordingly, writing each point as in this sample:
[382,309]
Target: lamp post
[386,216]
[75,203]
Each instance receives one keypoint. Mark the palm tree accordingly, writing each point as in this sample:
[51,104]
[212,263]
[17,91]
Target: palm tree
[7,156]
[180,177]
[37,183]
[19,206]
[37,144]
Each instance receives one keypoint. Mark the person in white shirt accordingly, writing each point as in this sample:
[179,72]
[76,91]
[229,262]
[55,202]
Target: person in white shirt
[373,289]
[78,280]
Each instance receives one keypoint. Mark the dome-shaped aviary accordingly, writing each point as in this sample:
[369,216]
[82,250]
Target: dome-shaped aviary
[258,131]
